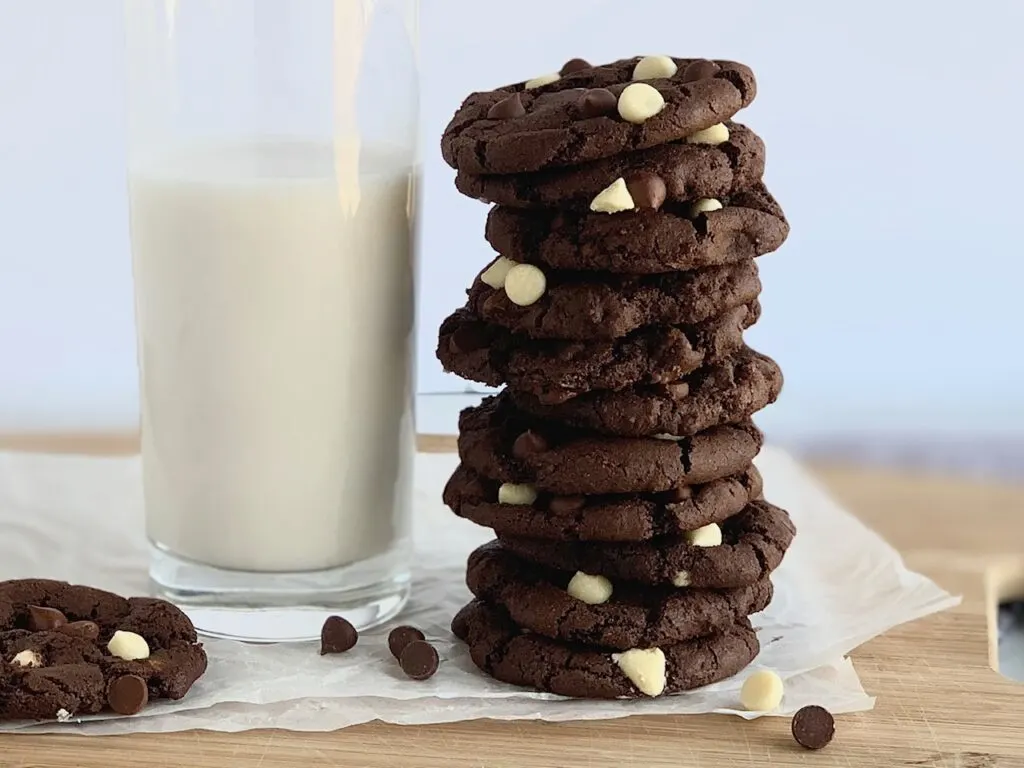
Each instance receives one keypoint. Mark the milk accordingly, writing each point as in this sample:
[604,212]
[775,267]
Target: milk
[275,320]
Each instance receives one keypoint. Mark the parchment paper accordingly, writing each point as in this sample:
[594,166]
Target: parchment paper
[80,519]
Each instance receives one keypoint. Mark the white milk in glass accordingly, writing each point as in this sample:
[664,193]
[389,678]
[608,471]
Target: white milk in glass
[275,314]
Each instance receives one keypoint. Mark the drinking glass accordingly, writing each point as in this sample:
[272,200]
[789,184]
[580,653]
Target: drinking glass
[273,164]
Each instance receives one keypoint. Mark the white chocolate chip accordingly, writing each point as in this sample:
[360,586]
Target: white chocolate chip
[639,101]
[537,82]
[592,590]
[27,658]
[645,667]
[762,691]
[667,436]
[525,284]
[520,494]
[704,205]
[682,579]
[650,67]
[716,134]
[494,275]
[709,535]
[613,198]
[128,646]
[63,715]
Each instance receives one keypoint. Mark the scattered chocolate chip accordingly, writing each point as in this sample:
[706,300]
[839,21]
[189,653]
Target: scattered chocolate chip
[509,107]
[699,70]
[468,338]
[647,190]
[813,727]
[42,619]
[399,637]
[86,630]
[419,660]
[574,65]
[127,695]
[678,494]
[596,102]
[562,505]
[677,389]
[337,635]
[528,444]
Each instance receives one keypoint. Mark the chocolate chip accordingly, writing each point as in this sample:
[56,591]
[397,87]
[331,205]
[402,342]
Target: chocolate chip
[574,65]
[42,619]
[677,389]
[399,637]
[86,630]
[528,444]
[678,494]
[509,107]
[127,695]
[562,505]
[468,338]
[813,727]
[337,635]
[699,70]
[419,660]
[596,102]
[647,190]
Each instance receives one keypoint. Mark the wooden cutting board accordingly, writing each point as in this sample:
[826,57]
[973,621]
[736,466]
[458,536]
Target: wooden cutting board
[939,702]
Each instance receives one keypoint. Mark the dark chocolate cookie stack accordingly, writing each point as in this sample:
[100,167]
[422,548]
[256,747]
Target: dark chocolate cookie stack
[615,468]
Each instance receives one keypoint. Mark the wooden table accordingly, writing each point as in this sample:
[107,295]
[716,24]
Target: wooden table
[940,704]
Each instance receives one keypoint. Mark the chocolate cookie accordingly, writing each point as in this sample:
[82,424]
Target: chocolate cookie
[682,172]
[500,649]
[59,634]
[750,224]
[531,126]
[753,544]
[633,517]
[501,443]
[722,392]
[633,616]
[555,371]
[577,306]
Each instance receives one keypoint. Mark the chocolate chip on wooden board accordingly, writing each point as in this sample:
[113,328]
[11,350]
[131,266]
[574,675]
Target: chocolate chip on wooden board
[813,727]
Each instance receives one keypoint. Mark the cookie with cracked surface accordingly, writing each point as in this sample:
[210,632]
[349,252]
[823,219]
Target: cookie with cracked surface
[753,545]
[684,172]
[583,306]
[623,517]
[750,224]
[500,649]
[503,444]
[633,615]
[724,391]
[552,371]
[530,126]
[54,645]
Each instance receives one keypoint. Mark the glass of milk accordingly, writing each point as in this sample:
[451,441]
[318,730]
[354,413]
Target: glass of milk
[272,175]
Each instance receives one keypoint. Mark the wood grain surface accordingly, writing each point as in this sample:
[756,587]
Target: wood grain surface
[939,702]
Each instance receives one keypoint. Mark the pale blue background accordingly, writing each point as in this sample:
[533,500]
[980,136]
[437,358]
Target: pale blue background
[894,143]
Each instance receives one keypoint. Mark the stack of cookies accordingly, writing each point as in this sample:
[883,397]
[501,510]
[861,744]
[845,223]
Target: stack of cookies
[615,468]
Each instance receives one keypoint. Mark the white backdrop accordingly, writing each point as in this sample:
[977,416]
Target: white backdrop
[892,130]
